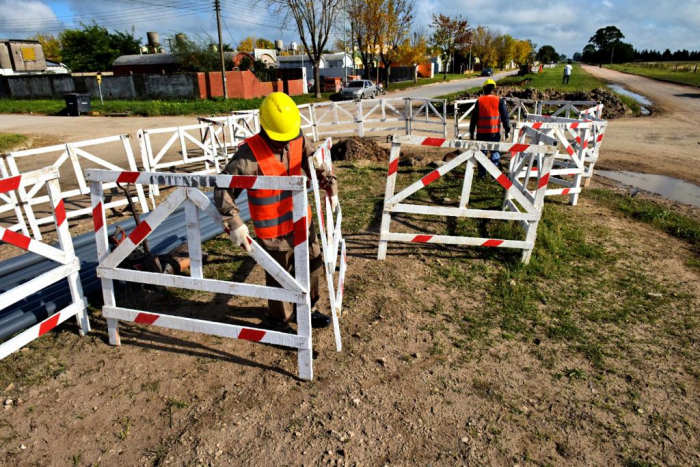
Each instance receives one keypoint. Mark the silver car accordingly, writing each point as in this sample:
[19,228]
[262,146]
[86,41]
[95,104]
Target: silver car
[359,89]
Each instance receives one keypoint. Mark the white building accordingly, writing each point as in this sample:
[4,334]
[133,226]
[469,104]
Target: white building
[331,65]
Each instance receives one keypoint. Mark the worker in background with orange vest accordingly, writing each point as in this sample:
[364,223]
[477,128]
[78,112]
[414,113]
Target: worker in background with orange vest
[489,113]
[279,149]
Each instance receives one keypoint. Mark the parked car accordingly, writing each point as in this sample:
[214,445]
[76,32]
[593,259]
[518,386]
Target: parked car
[359,89]
[487,72]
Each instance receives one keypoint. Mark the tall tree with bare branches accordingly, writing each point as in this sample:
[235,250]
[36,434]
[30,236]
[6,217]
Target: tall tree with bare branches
[396,19]
[450,36]
[314,20]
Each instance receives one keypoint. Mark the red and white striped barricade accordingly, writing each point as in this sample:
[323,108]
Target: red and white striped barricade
[596,135]
[68,268]
[293,289]
[424,116]
[571,139]
[9,203]
[332,240]
[472,154]
[567,108]
[383,115]
[102,152]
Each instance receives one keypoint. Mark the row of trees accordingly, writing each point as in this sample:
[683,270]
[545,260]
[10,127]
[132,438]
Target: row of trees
[92,48]
[606,46]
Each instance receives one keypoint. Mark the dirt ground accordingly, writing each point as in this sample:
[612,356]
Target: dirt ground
[452,356]
[422,379]
[667,143]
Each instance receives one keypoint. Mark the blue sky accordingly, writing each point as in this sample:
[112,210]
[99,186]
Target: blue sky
[566,25]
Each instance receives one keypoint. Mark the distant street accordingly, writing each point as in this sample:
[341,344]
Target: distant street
[440,89]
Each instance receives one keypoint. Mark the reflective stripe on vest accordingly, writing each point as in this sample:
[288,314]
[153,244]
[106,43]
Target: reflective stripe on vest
[272,210]
[489,114]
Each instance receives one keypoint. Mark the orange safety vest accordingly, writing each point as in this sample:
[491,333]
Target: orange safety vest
[272,210]
[489,114]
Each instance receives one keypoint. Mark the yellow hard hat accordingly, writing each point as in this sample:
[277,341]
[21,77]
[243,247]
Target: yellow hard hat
[279,117]
[491,82]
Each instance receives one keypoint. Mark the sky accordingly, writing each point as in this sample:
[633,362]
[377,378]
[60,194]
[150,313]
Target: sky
[566,25]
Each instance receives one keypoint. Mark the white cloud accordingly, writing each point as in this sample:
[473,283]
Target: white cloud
[567,25]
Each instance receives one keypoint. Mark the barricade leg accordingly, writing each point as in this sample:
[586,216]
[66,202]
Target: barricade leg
[545,164]
[390,188]
[100,223]
[467,187]
[301,270]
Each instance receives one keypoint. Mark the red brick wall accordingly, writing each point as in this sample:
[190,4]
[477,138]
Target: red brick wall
[243,85]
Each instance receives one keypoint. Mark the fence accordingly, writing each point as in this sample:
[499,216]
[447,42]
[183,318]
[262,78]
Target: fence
[596,135]
[423,116]
[332,240]
[572,138]
[566,107]
[383,115]
[472,154]
[65,256]
[293,289]
[78,155]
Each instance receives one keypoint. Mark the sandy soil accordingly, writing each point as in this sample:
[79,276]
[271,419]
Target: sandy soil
[667,143]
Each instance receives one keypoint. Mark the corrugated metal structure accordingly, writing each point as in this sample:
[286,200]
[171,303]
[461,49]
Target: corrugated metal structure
[13,272]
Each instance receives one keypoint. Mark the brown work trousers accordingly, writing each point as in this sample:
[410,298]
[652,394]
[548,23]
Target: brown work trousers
[282,311]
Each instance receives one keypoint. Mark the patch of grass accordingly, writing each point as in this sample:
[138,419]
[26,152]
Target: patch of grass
[438,78]
[681,73]
[173,404]
[572,373]
[9,141]
[148,108]
[126,428]
[76,459]
[649,212]
[631,103]
[551,78]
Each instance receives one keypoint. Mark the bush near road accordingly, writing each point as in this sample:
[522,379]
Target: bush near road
[664,71]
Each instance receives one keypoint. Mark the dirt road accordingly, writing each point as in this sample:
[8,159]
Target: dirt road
[668,143]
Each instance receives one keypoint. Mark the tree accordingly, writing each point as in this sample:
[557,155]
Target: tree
[93,48]
[314,20]
[198,55]
[450,36]
[590,54]
[547,54]
[413,52]
[250,43]
[484,45]
[605,40]
[396,19]
[522,53]
[365,29]
[51,46]
[577,57]
[505,50]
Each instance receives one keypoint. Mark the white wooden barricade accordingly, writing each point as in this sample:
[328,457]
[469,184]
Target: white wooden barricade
[566,107]
[79,154]
[528,214]
[9,203]
[332,240]
[426,116]
[68,267]
[596,135]
[572,141]
[228,132]
[334,118]
[177,147]
[293,289]
[383,115]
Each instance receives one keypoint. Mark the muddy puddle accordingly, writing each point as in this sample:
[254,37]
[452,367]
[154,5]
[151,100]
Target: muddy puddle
[668,187]
[643,101]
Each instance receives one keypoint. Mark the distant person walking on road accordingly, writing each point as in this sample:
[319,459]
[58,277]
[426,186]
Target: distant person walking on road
[567,72]
[489,112]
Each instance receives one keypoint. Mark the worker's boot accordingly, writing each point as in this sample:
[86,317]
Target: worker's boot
[318,319]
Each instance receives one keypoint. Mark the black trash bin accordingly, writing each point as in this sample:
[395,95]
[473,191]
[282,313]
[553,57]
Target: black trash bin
[77,103]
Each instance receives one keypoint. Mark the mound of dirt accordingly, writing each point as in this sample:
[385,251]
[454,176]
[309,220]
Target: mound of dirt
[614,107]
[357,149]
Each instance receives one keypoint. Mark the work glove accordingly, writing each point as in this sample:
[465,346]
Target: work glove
[240,237]
[334,203]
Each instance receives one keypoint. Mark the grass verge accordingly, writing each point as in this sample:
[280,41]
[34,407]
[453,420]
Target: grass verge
[9,141]
[660,73]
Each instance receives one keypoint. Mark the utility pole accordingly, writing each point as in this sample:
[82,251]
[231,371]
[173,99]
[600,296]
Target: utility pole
[217,8]
[345,41]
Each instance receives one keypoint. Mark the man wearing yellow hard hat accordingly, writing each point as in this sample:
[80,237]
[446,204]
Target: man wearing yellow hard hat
[489,112]
[279,149]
